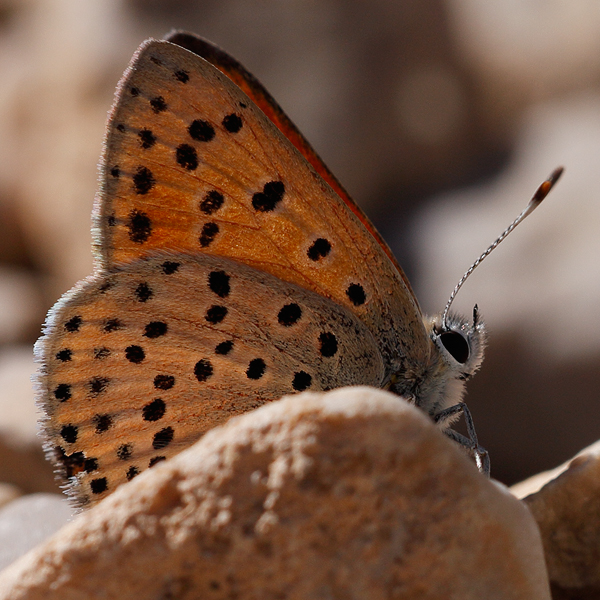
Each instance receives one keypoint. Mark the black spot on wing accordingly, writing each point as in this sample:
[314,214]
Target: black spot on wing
[232,123]
[270,197]
[256,368]
[143,180]
[201,131]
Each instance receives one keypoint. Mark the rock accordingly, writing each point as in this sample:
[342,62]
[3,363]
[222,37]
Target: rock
[351,493]
[21,306]
[536,482]
[18,424]
[8,493]
[527,49]
[29,520]
[568,514]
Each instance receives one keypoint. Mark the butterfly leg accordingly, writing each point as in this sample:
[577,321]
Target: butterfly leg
[482,458]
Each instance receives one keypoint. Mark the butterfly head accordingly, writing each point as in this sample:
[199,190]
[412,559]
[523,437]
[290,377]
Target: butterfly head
[456,356]
[461,343]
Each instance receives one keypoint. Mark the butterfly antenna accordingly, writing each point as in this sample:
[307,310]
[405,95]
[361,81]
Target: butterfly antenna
[535,201]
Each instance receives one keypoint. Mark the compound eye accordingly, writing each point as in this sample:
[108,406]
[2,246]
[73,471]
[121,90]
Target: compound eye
[457,346]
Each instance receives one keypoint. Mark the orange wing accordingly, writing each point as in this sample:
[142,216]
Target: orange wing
[191,164]
[230,67]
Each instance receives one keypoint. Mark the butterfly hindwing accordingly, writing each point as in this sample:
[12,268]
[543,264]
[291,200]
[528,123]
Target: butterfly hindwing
[141,363]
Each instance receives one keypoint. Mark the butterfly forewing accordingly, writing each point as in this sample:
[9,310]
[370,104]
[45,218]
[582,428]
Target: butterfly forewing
[263,100]
[192,164]
[142,363]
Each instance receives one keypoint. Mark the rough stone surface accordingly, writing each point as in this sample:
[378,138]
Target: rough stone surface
[29,520]
[567,510]
[349,494]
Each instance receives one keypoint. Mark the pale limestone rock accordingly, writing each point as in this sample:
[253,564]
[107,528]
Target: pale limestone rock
[346,494]
[18,413]
[527,49]
[567,510]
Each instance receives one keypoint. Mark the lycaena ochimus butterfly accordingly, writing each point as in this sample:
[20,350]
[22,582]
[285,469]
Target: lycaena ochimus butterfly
[231,269]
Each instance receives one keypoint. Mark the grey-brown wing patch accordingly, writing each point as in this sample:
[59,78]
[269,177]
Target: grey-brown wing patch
[139,363]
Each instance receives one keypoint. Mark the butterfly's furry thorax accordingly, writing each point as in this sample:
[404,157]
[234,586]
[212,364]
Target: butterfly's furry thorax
[456,353]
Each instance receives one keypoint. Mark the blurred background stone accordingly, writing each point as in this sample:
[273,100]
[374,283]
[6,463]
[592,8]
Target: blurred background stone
[8,493]
[566,510]
[27,521]
[22,460]
[439,116]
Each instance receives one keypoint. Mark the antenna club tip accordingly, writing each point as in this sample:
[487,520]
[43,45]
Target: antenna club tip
[555,175]
[547,185]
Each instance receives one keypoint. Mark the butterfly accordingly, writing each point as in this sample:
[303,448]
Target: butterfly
[231,268]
